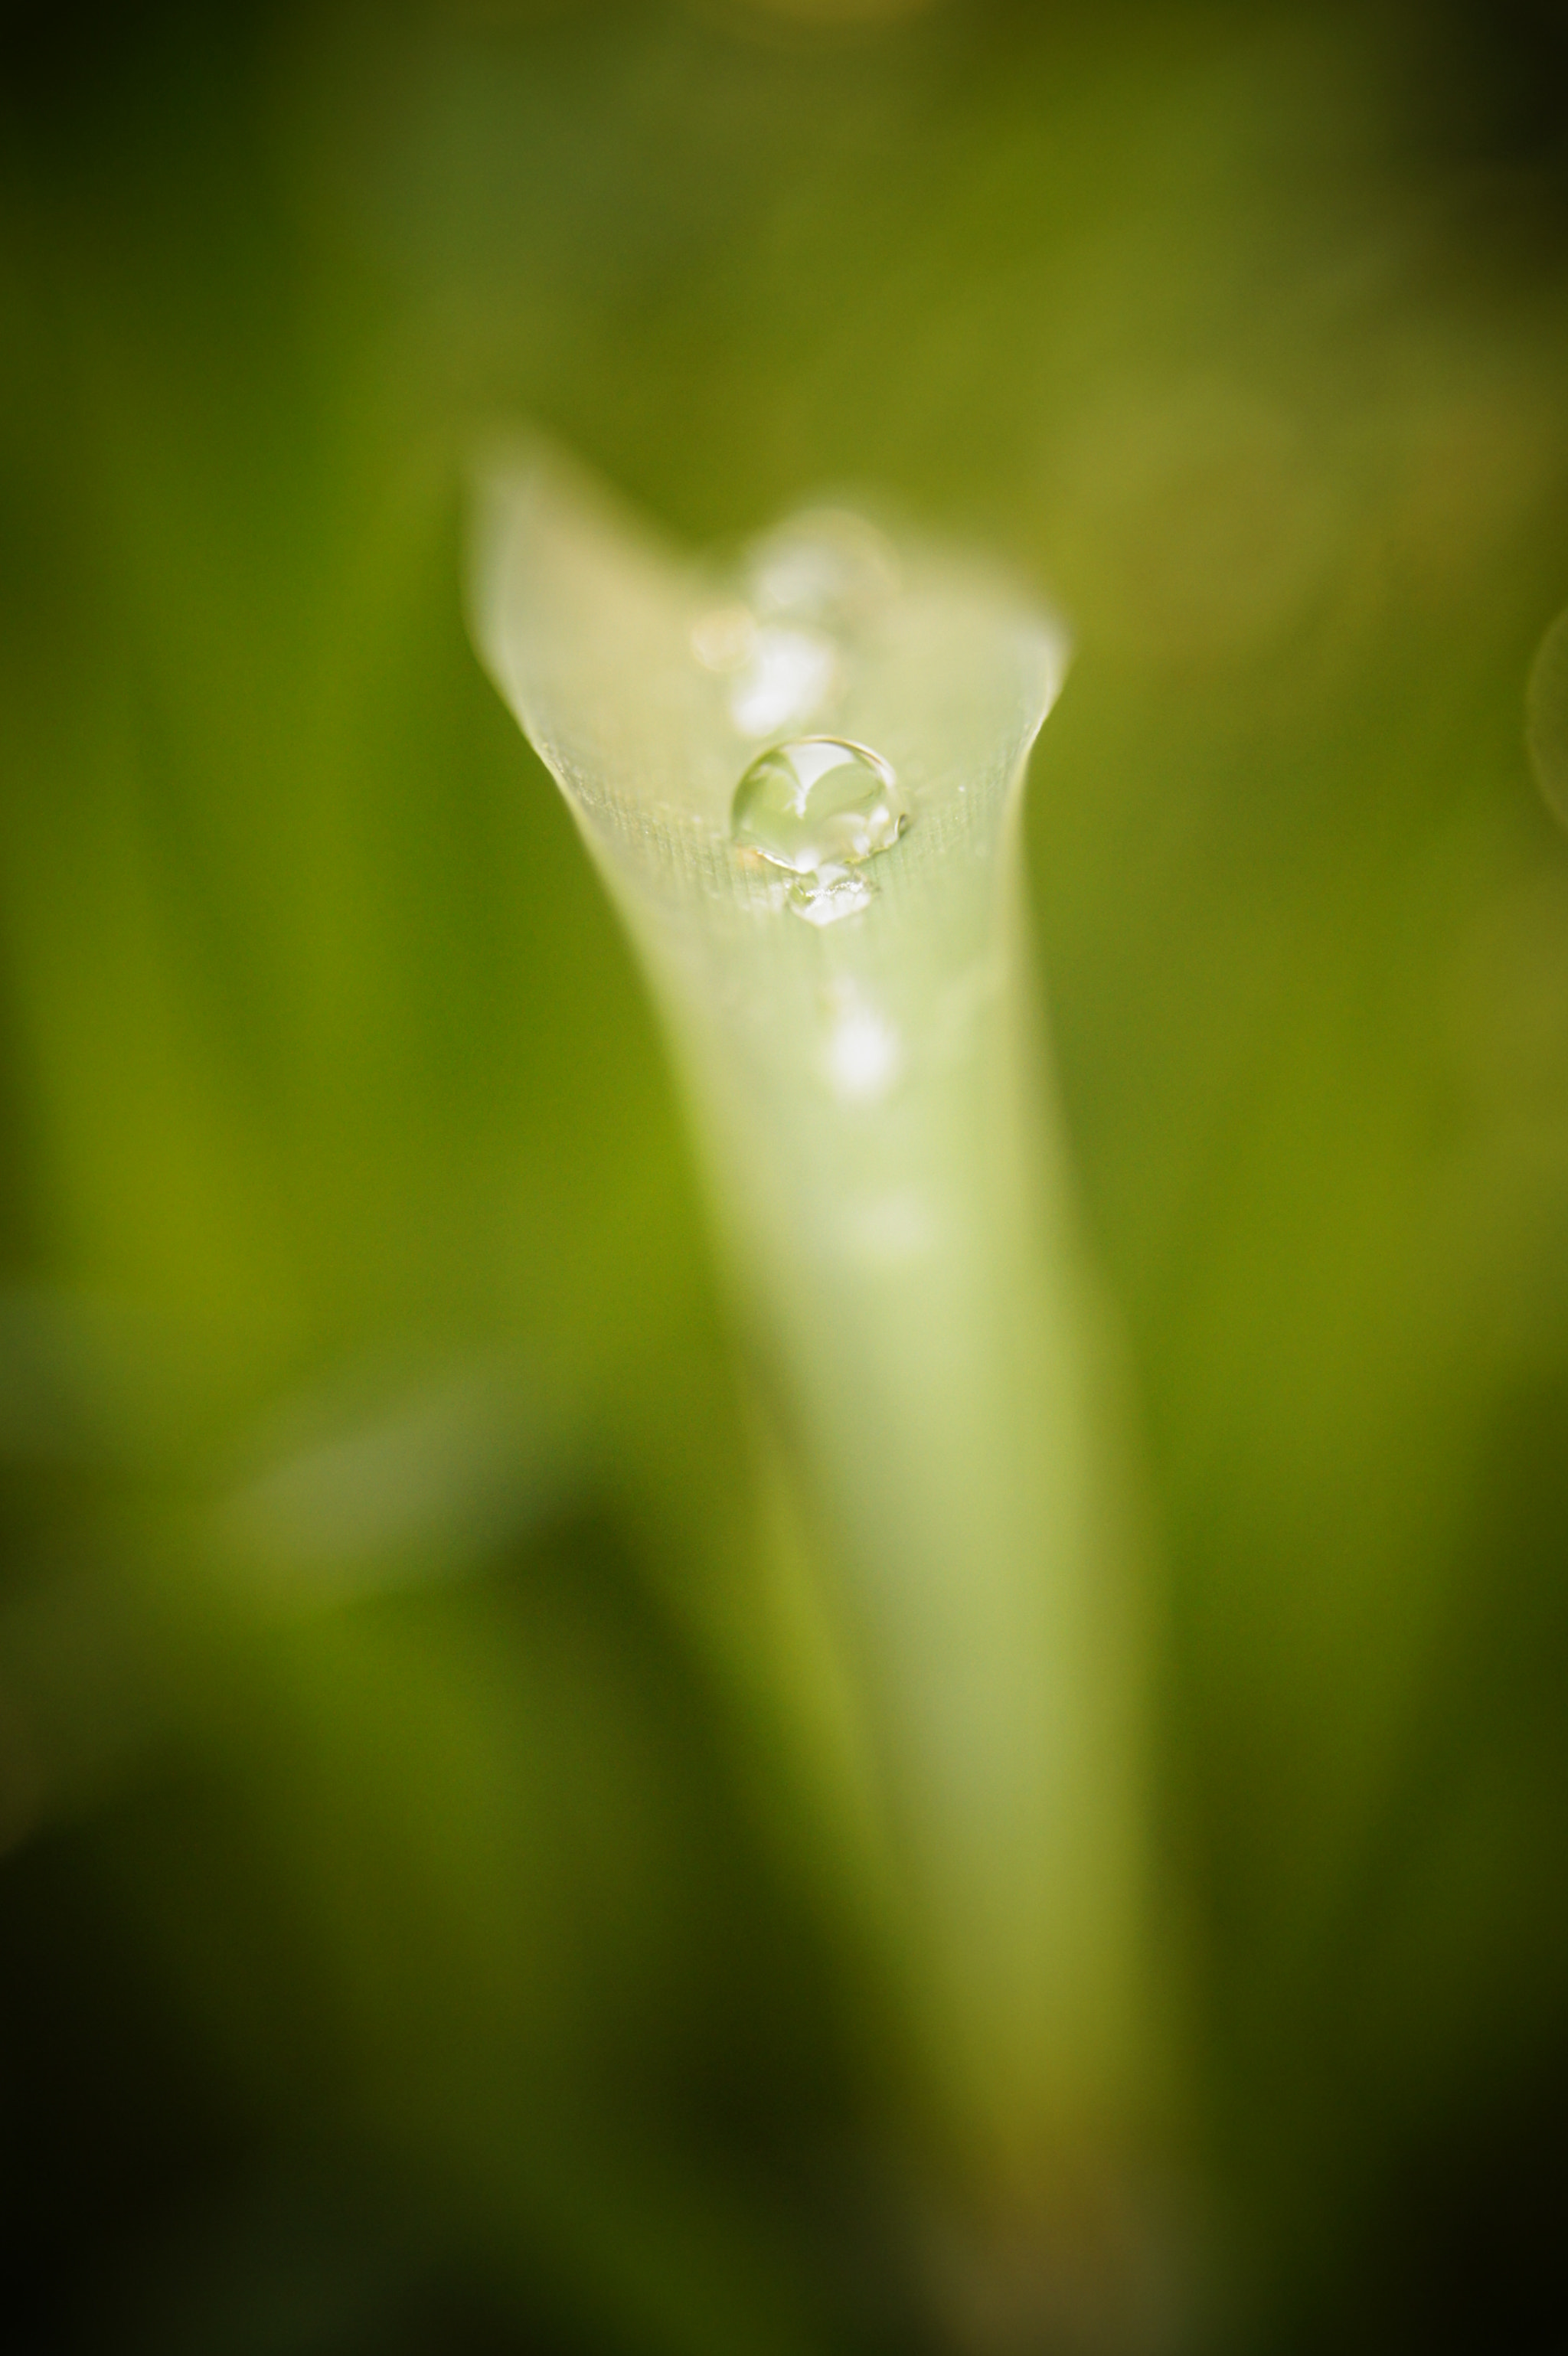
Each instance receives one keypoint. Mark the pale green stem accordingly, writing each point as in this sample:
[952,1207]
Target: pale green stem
[883,1167]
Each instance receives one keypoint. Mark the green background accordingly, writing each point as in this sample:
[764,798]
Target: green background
[406,1944]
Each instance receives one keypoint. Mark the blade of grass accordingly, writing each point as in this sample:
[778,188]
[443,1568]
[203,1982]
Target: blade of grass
[886,1180]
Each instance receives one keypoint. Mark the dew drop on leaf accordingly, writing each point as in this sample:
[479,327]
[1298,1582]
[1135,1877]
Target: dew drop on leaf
[826,566]
[817,804]
[837,893]
[790,675]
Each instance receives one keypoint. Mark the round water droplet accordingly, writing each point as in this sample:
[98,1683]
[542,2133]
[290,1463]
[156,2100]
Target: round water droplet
[1546,718]
[816,804]
[826,565]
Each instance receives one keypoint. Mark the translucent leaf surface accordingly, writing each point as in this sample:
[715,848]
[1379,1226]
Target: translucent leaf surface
[648,684]
[799,777]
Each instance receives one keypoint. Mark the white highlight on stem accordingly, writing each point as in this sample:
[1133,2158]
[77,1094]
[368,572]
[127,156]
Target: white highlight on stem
[863,1051]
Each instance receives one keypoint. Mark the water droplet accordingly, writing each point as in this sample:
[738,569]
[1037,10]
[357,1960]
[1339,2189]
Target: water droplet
[837,891]
[1546,718]
[726,639]
[782,676]
[826,565]
[817,805]
[785,681]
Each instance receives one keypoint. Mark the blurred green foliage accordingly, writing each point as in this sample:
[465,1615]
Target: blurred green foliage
[412,1940]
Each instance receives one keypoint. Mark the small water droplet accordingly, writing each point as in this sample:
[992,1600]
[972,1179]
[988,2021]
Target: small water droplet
[826,565]
[1546,718]
[836,893]
[785,682]
[819,804]
[781,676]
[725,639]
